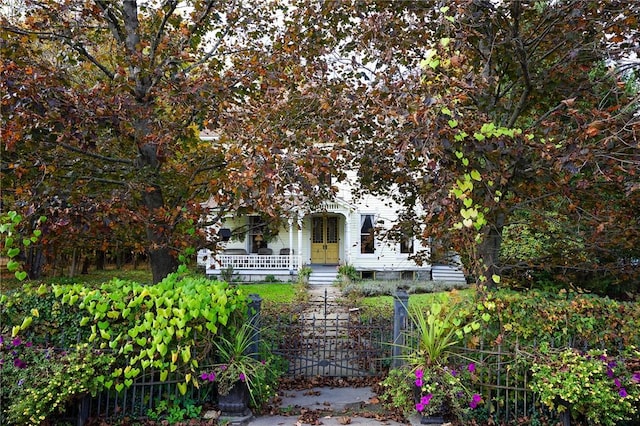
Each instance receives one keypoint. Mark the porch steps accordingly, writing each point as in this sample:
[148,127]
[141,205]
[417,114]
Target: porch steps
[447,273]
[323,275]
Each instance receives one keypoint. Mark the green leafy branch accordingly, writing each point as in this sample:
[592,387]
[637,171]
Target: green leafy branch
[13,241]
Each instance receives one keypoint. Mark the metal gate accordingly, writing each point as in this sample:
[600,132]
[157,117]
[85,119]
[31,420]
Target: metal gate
[329,340]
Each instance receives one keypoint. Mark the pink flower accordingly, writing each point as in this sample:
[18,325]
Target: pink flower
[475,400]
[426,399]
[420,407]
[419,383]
[471,367]
[419,374]
[210,377]
[242,377]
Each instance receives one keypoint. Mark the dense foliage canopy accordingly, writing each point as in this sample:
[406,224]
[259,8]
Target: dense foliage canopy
[105,104]
[509,121]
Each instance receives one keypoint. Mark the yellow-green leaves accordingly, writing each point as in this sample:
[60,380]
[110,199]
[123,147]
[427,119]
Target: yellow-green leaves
[153,325]
[9,224]
[431,59]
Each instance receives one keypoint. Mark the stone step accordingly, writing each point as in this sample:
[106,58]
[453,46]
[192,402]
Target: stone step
[323,277]
[447,273]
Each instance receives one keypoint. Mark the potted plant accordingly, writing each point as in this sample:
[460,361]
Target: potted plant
[438,388]
[239,374]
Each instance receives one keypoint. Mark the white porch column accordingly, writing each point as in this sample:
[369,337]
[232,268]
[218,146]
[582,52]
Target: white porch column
[300,239]
[290,245]
[347,240]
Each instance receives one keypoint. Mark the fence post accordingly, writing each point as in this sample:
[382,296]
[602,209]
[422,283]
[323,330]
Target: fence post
[400,315]
[255,303]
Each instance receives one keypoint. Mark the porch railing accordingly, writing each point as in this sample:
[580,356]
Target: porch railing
[258,261]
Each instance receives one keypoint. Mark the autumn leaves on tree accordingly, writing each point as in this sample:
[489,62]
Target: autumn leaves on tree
[507,118]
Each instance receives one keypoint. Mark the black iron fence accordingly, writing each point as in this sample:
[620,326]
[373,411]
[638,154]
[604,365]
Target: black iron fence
[330,341]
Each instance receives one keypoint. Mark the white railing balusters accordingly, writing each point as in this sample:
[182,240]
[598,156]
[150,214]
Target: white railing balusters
[256,261]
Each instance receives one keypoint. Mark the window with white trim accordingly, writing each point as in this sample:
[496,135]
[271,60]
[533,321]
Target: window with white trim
[367,234]
[407,244]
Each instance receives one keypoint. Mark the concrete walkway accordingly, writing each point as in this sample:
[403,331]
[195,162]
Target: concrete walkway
[329,407]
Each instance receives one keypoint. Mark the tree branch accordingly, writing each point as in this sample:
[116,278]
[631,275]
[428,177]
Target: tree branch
[97,156]
[112,20]
[173,4]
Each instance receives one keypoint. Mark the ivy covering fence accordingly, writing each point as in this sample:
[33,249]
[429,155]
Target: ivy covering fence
[88,340]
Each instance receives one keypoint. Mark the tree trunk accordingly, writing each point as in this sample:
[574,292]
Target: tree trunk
[100,258]
[74,260]
[85,265]
[162,263]
[35,262]
[161,258]
[489,250]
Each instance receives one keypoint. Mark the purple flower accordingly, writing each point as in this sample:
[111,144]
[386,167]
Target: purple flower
[223,367]
[623,392]
[616,381]
[426,399]
[475,400]
[636,377]
[419,374]
[453,372]
[419,383]
[20,382]
[28,344]
[16,341]
[18,363]
[242,377]
[471,367]
[420,407]
[1,340]
[610,373]
[612,364]
[210,377]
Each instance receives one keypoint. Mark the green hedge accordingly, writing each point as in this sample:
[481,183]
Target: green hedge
[581,320]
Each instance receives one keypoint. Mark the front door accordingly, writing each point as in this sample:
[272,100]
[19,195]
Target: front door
[324,240]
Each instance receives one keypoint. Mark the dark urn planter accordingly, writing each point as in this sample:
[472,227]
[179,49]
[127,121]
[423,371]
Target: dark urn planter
[236,402]
[432,420]
[429,419]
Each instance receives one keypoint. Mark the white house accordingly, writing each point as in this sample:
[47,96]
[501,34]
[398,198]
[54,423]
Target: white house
[342,231]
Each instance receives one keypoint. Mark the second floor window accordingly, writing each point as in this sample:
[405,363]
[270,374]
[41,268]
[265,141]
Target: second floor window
[367,234]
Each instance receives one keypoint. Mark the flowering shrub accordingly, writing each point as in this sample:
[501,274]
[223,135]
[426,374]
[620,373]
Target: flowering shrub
[598,386]
[36,381]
